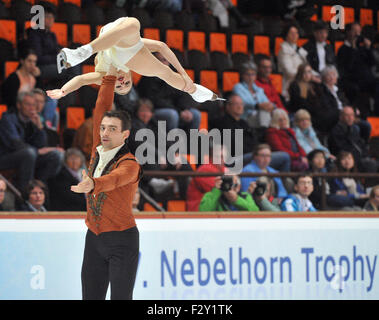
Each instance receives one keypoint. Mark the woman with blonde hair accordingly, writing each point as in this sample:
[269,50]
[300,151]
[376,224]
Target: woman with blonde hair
[119,44]
[282,138]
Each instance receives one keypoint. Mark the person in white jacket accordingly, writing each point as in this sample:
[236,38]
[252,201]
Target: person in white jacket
[290,57]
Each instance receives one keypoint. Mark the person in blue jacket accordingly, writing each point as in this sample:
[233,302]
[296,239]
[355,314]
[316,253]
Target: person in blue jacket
[260,163]
[299,201]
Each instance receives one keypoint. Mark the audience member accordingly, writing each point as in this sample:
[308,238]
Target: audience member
[61,197]
[200,185]
[264,196]
[282,138]
[25,78]
[373,202]
[290,57]
[23,144]
[232,120]
[47,109]
[175,107]
[346,193]
[136,201]
[346,136]
[226,196]
[260,163]
[264,81]
[305,134]
[320,53]
[258,108]
[3,189]
[36,194]
[299,201]
[317,163]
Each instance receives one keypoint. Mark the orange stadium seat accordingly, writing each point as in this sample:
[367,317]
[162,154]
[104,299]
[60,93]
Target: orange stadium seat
[149,207]
[7,3]
[208,78]
[235,2]
[8,31]
[86,68]
[77,2]
[374,121]
[3,108]
[337,45]
[98,29]
[217,42]
[262,45]
[278,43]
[196,41]
[136,77]
[176,205]
[151,33]
[302,42]
[75,117]
[191,73]
[229,80]
[366,17]
[277,82]
[60,30]
[349,15]
[175,39]
[10,66]
[191,159]
[203,120]
[327,15]
[81,33]
[240,43]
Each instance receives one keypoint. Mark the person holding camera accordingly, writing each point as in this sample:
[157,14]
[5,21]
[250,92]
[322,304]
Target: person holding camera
[263,191]
[226,196]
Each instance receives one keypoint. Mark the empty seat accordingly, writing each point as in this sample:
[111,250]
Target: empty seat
[327,15]
[374,121]
[148,207]
[229,80]
[75,116]
[175,39]
[366,17]
[60,30]
[3,108]
[81,33]
[208,79]
[191,73]
[262,45]
[136,77]
[8,31]
[176,205]
[278,43]
[302,42]
[196,41]
[10,66]
[240,43]
[217,42]
[151,33]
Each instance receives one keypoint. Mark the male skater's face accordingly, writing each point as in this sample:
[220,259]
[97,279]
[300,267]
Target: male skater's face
[111,133]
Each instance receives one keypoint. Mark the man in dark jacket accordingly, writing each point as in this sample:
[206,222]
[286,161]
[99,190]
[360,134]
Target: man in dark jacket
[320,53]
[23,143]
[346,136]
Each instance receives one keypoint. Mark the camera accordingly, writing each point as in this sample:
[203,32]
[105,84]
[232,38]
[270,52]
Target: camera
[227,183]
[260,189]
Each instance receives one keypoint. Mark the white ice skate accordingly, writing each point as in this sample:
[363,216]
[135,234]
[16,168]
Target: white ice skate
[203,94]
[72,57]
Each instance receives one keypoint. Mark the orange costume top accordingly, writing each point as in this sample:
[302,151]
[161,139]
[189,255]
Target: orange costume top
[109,204]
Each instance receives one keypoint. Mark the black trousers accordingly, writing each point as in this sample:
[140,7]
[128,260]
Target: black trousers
[110,257]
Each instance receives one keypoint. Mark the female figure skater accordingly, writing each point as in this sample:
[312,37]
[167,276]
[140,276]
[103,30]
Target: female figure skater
[119,44]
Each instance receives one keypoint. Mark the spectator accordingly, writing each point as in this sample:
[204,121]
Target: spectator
[25,78]
[23,144]
[355,61]
[373,203]
[62,198]
[346,193]
[305,134]
[346,136]
[226,196]
[299,201]
[3,189]
[47,109]
[45,44]
[290,57]
[260,163]
[36,194]
[264,81]
[175,107]
[320,53]
[264,198]
[304,92]
[282,138]
[199,185]
[232,120]
[257,107]
[317,162]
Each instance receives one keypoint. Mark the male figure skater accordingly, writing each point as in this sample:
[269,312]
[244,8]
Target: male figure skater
[112,240]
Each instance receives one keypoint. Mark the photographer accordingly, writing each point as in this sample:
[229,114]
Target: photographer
[263,191]
[226,196]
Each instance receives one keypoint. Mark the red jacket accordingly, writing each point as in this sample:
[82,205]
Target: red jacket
[199,186]
[279,140]
[270,92]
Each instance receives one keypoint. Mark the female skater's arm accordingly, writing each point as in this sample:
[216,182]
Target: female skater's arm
[75,83]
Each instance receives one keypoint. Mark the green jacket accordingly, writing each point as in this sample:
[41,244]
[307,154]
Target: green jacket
[213,201]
